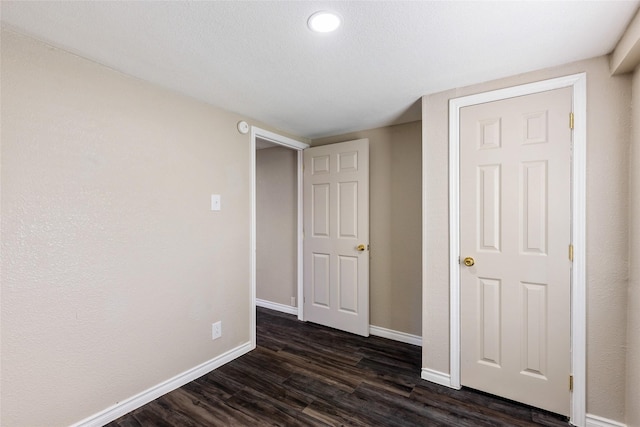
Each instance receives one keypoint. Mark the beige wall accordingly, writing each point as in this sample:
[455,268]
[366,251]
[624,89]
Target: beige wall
[395,224]
[633,328]
[609,100]
[276,224]
[113,265]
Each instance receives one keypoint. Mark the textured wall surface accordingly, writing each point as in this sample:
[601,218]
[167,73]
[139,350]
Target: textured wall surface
[113,265]
[633,328]
[276,224]
[395,230]
[608,129]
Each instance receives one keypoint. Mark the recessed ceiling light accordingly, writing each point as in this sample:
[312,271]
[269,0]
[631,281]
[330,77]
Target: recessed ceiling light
[324,22]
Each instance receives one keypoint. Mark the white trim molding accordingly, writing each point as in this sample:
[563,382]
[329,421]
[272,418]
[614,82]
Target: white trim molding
[300,264]
[283,308]
[377,331]
[284,141]
[436,377]
[140,399]
[596,421]
[578,82]
[277,138]
[395,335]
[252,238]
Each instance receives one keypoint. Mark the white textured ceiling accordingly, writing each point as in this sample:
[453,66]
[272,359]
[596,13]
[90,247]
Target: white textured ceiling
[259,59]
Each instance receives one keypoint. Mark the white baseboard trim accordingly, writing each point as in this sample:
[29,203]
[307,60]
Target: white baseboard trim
[134,402]
[395,335]
[373,330]
[436,377]
[445,380]
[277,306]
[596,421]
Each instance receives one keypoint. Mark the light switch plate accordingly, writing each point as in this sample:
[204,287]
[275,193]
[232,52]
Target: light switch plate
[215,202]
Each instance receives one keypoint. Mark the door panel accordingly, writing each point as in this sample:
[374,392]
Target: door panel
[489,206]
[534,329]
[336,205]
[347,283]
[320,279]
[320,210]
[515,207]
[490,314]
[348,210]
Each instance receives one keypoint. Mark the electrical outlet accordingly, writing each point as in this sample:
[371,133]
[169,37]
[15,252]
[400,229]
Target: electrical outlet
[216,330]
[293,301]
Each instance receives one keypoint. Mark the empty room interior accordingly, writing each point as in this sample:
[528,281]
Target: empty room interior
[392,219]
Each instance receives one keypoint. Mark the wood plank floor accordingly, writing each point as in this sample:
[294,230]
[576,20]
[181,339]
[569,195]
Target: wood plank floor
[303,374]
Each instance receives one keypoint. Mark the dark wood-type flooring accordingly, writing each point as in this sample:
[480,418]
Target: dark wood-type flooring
[303,374]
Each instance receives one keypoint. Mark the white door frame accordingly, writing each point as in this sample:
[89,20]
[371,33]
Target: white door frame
[284,141]
[578,227]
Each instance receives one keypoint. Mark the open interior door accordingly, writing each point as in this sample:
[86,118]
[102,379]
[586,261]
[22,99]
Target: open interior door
[336,236]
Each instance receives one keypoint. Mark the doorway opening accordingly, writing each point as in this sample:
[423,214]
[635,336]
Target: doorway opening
[269,140]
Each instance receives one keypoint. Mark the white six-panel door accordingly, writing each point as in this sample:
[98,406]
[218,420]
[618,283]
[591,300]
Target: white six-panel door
[515,212]
[336,235]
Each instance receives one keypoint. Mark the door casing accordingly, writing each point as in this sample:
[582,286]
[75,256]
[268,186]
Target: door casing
[578,228]
[284,141]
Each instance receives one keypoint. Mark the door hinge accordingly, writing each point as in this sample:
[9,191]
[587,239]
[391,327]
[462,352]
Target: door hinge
[570,120]
[571,253]
[570,382]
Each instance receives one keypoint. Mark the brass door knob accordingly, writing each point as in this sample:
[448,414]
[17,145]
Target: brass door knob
[360,248]
[468,261]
